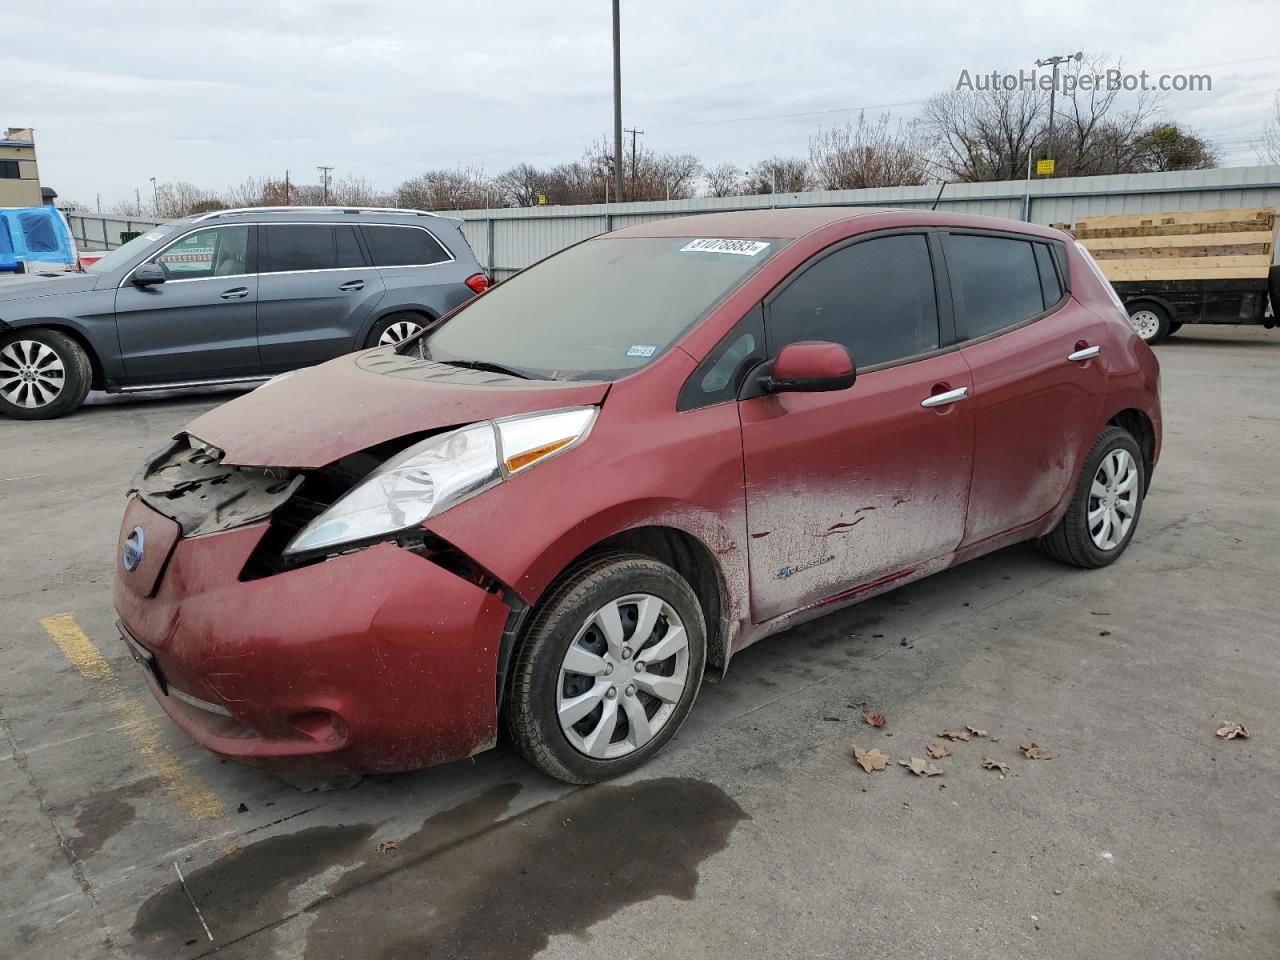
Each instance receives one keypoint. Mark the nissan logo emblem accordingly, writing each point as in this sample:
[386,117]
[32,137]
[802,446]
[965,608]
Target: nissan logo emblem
[134,544]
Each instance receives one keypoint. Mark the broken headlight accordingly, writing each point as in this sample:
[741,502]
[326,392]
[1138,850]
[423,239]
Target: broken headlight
[440,472]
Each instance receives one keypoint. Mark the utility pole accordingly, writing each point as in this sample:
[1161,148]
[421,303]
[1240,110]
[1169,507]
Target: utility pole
[137,201]
[617,107]
[286,188]
[324,184]
[1053,91]
[633,152]
[155,193]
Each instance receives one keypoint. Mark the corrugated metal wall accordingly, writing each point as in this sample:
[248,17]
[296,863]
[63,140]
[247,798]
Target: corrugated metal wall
[509,239]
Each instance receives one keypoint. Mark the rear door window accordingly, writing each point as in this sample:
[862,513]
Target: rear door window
[996,281]
[309,246]
[393,246]
[875,297]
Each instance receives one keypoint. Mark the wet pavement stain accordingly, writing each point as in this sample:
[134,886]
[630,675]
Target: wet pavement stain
[104,814]
[559,868]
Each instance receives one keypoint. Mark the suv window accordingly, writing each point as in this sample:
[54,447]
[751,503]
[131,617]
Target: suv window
[997,282]
[403,246]
[214,252]
[309,246]
[876,297]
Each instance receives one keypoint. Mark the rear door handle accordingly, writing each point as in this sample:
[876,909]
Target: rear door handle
[352,285]
[1088,353]
[942,399]
[236,293]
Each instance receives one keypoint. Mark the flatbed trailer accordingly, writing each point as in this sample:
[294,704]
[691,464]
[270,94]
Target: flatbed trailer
[1188,266]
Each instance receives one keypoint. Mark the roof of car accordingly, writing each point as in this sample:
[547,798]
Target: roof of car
[301,213]
[793,222]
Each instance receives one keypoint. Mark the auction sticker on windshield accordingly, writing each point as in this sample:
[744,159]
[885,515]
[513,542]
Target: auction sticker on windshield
[743,248]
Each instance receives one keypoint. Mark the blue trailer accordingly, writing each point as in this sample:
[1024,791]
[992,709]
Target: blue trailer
[34,235]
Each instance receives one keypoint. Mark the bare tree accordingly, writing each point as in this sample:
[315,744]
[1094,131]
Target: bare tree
[779,175]
[462,188]
[522,185]
[869,154]
[1268,148]
[176,200]
[1093,135]
[984,134]
[723,180]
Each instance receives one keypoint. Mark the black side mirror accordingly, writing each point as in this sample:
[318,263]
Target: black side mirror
[148,274]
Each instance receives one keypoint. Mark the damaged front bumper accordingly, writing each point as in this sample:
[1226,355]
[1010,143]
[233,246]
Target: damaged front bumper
[375,660]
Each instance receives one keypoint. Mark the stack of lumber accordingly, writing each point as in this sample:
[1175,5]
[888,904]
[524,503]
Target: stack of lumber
[1182,245]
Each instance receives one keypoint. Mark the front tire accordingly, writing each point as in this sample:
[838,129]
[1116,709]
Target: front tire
[1106,505]
[44,374]
[609,669]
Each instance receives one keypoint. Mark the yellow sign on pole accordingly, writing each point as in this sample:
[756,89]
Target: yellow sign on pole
[1044,168]
[542,199]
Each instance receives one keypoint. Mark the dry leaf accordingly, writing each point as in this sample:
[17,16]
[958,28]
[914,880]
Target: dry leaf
[875,719]
[870,760]
[976,732]
[953,734]
[937,751]
[386,846]
[989,764]
[1234,729]
[1035,752]
[921,768]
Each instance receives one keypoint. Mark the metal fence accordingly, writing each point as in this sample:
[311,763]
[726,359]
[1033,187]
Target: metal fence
[509,239]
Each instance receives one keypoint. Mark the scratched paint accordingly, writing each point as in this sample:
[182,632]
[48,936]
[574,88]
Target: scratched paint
[199,802]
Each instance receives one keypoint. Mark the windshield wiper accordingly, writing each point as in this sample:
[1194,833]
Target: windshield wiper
[491,368]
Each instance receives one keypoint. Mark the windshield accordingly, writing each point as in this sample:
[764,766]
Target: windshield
[599,310]
[118,257]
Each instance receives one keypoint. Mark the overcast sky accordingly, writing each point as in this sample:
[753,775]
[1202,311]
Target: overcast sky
[213,93]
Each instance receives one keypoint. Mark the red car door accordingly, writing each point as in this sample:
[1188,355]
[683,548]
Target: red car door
[853,486]
[1038,382]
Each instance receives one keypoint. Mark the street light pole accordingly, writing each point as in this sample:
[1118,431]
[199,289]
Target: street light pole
[155,193]
[617,107]
[1053,92]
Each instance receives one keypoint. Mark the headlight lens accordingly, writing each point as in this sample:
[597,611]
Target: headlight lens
[441,472]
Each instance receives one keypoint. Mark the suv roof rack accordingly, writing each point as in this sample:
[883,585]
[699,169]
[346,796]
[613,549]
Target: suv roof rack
[243,211]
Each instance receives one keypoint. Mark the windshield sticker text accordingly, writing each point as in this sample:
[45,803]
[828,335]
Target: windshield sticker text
[743,248]
[641,350]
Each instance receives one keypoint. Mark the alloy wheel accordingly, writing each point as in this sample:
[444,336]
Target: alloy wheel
[31,374]
[1113,500]
[398,331]
[622,676]
[1145,323]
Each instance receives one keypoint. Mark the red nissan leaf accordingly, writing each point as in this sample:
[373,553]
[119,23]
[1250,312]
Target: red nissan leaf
[557,509]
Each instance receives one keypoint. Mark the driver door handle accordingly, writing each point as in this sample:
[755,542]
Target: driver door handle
[235,293]
[352,285]
[942,399]
[1088,353]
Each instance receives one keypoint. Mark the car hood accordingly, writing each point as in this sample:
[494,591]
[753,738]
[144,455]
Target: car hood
[315,416]
[38,286]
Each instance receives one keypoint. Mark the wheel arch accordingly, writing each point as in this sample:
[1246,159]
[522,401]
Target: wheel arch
[98,380]
[381,314]
[1151,299]
[1142,429]
[679,549]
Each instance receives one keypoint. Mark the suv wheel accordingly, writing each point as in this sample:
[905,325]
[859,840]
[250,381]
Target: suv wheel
[394,328]
[609,669]
[1104,510]
[43,374]
[1150,321]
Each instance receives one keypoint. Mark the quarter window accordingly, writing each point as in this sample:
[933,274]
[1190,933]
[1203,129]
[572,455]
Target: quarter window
[1050,285]
[997,281]
[215,252]
[875,297]
[309,246]
[403,246]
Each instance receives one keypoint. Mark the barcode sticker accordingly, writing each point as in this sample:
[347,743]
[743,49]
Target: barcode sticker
[743,248]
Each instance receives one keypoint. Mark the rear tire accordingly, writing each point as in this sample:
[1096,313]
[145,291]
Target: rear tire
[44,374]
[590,698]
[1150,321]
[395,328]
[1106,505]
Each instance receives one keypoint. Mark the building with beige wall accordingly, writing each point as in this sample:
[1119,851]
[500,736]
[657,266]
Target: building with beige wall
[19,178]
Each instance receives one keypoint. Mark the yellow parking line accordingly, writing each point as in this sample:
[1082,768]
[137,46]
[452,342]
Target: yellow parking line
[140,727]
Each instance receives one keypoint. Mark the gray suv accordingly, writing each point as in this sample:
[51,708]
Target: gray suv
[234,296]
